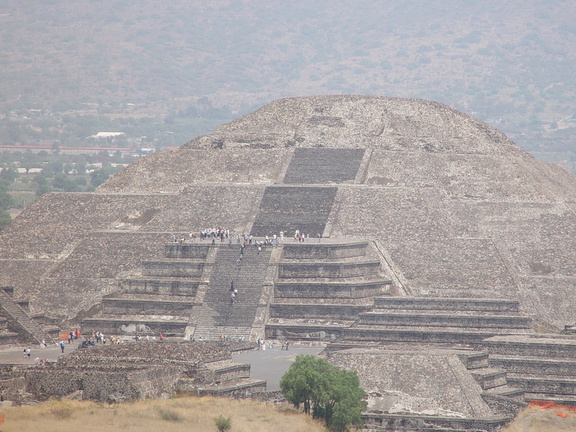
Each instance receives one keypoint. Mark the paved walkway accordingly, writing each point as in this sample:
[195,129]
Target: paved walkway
[15,355]
[273,363]
[270,364]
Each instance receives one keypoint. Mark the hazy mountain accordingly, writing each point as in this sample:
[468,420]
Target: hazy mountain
[510,63]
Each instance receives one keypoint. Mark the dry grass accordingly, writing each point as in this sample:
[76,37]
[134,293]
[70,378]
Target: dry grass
[172,415]
[542,420]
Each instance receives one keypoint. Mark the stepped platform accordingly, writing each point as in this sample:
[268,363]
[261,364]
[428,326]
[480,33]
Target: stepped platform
[169,325]
[490,378]
[173,268]
[186,250]
[506,391]
[429,423]
[437,319]
[18,320]
[447,304]
[450,335]
[323,165]
[154,305]
[321,289]
[549,346]
[319,251]
[542,365]
[450,320]
[225,370]
[287,208]
[534,365]
[176,286]
[328,269]
[234,388]
[315,289]
[533,384]
[306,329]
[315,310]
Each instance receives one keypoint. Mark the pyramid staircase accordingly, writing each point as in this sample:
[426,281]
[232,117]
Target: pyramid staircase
[544,366]
[17,325]
[161,300]
[322,287]
[218,315]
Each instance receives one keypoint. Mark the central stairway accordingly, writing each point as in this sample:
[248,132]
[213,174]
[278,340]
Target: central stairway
[219,316]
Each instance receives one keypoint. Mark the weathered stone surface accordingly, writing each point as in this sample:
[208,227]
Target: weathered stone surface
[456,209]
[399,381]
[130,371]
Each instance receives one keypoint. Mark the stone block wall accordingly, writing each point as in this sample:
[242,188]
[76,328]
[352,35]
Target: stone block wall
[173,287]
[146,307]
[323,165]
[186,250]
[323,311]
[172,268]
[309,290]
[323,251]
[328,270]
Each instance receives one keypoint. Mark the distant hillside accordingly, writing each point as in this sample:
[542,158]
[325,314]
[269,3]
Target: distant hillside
[509,63]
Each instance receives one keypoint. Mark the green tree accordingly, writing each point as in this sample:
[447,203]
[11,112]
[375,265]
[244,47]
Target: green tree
[5,219]
[98,176]
[6,200]
[325,391]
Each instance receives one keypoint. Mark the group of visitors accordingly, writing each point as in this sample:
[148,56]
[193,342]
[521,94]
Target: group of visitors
[207,233]
[302,237]
[261,344]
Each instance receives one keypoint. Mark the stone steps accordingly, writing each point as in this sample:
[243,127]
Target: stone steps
[225,370]
[309,330]
[317,289]
[437,319]
[145,306]
[312,250]
[534,365]
[447,304]
[558,347]
[454,335]
[175,286]
[323,165]
[186,250]
[310,311]
[173,268]
[288,208]
[136,324]
[544,366]
[20,321]
[489,378]
[330,270]
[569,400]
[233,388]
[507,391]
[543,385]
[432,423]
[218,315]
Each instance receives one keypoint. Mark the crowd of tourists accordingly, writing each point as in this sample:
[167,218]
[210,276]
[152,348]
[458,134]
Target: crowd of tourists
[221,234]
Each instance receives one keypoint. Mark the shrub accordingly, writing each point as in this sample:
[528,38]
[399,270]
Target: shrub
[222,423]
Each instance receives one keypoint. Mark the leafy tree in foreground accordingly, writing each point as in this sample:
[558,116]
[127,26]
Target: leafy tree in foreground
[325,391]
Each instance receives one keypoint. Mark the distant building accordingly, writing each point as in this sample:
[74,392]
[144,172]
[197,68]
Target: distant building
[108,137]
